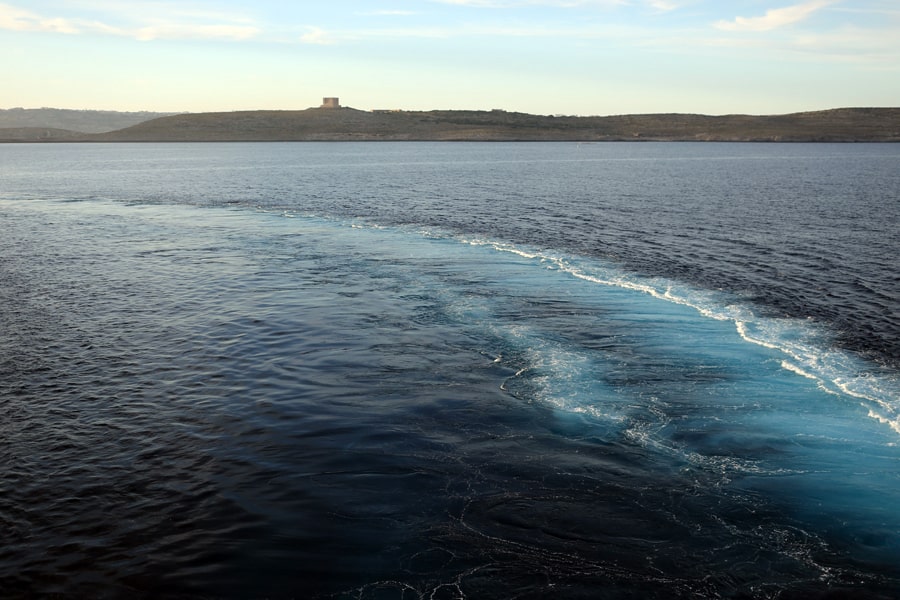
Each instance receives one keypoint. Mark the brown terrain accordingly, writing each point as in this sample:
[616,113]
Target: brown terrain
[348,124]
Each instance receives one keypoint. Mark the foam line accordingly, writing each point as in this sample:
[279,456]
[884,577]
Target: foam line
[804,344]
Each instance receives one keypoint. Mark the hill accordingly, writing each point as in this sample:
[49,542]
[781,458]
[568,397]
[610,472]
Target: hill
[348,124]
[848,124]
[38,134]
[82,121]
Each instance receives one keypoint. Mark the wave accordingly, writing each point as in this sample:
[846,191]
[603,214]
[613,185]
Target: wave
[806,346]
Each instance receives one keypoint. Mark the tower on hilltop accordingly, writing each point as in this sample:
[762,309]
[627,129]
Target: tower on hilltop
[330,103]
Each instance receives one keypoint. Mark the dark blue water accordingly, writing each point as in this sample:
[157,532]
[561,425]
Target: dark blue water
[449,370]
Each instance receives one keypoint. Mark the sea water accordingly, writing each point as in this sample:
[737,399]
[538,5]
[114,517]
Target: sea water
[423,370]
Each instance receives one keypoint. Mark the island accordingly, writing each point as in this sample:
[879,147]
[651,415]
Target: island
[332,122]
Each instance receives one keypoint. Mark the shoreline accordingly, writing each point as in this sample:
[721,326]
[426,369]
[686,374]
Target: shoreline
[851,125]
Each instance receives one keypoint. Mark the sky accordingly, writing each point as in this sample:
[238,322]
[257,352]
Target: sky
[567,57]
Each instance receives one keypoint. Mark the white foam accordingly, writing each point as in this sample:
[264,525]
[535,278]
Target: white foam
[892,423]
[805,345]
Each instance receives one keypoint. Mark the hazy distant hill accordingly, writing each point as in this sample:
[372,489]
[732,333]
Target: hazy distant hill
[346,124]
[38,134]
[83,121]
[846,124]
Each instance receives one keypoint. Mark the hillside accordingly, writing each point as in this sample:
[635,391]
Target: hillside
[348,124]
[849,124]
[83,121]
[37,134]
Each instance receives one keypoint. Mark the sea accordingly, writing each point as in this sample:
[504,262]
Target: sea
[436,371]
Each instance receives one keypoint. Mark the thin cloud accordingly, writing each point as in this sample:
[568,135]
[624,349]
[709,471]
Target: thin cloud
[171,31]
[18,19]
[664,5]
[316,35]
[486,31]
[479,3]
[136,11]
[774,18]
[523,3]
[387,13]
[875,46]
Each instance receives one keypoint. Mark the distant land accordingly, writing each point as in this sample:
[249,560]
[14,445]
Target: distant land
[348,124]
[72,121]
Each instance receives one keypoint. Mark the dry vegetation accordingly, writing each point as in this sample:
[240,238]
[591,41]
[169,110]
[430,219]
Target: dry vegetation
[346,124]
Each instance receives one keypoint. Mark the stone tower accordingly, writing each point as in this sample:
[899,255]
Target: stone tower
[330,103]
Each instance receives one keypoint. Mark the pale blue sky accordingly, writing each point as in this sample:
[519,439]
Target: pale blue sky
[585,57]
